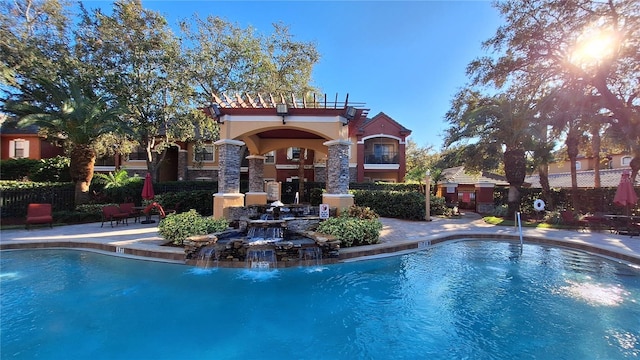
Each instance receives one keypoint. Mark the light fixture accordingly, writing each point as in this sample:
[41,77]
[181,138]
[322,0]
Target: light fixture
[349,113]
[214,110]
[282,110]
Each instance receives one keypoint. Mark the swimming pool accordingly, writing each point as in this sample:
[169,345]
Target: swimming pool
[466,299]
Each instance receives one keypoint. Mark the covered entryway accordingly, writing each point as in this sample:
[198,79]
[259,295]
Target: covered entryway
[266,125]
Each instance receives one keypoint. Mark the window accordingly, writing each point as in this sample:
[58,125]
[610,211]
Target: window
[625,161]
[578,165]
[107,160]
[19,148]
[205,154]
[138,154]
[270,157]
[293,153]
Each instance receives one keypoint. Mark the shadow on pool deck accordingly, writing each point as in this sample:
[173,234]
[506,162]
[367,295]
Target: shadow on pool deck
[142,240]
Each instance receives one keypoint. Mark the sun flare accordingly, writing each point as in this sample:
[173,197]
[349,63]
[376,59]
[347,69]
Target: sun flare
[594,45]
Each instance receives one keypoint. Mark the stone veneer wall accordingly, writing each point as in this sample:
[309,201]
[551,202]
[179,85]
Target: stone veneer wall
[338,169]
[230,159]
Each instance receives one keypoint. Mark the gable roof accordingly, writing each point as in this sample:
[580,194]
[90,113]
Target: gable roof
[10,127]
[459,176]
[608,178]
[384,117]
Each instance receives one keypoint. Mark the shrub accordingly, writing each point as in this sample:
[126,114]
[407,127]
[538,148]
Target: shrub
[55,169]
[177,227]
[352,231]
[408,205]
[17,169]
[361,212]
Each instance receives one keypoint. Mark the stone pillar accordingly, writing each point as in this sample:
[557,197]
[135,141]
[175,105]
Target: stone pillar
[337,194]
[229,161]
[484,198]
[256,194]
[183,162]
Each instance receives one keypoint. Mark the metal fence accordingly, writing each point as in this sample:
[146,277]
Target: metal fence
[14,202]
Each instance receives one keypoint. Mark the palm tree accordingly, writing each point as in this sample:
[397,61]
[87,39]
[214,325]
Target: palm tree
[115,180]
[73,113]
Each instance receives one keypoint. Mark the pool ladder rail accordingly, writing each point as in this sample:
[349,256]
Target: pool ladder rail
[518,223]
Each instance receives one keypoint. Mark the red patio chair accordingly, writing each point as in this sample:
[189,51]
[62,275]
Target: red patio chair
[111,213]
[39,214]
[570,219]
[129,208]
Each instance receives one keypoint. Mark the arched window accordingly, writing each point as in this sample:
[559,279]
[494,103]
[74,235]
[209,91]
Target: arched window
[625,161]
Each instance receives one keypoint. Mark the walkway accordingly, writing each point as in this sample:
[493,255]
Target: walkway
[142,240]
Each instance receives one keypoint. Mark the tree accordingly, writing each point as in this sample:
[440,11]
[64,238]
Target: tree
[493,127]
[591,46]
[73,114]
[137,58]
[224,58]
[34,43]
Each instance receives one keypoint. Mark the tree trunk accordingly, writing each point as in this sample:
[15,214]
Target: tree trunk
[543,173]
[635,166]
[595,148]
[82,161]
[515,168]
[572,152]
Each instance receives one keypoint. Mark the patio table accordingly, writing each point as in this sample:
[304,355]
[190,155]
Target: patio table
[624,224]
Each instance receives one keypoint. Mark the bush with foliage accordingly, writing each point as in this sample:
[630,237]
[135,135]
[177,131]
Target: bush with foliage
[55,169]
[408,205]
[116,179]
[17,169]
[360,212]
[199,200]
[353,231]
[177,227]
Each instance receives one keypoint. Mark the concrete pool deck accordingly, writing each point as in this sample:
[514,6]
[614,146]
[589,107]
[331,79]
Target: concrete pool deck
[142,240]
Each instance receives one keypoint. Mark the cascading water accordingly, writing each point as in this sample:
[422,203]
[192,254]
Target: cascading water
[206,255]
[311,255]
[259,257]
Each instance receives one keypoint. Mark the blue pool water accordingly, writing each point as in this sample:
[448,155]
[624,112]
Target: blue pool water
[461,300]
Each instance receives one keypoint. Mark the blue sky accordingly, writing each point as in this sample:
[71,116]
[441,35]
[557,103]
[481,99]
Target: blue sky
[404,58]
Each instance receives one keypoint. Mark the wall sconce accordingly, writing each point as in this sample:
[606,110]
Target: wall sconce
[214,109]
[349,113]
[282,110]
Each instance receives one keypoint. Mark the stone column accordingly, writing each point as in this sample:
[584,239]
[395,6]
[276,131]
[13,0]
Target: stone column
[337,194]
[229,161]
[256,194]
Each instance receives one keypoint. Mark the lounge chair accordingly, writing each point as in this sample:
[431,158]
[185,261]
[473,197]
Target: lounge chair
[39,214]
[111,213]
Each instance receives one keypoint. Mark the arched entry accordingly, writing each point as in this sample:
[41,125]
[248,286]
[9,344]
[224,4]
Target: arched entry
[263,126]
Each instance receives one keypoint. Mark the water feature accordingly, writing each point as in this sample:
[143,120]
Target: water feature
[458,300]
[279,237]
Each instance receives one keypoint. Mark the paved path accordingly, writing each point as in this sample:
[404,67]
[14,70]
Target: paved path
[143,240]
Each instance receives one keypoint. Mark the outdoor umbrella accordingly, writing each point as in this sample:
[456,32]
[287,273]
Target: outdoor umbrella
[147,189]
[147,194]
[625,194]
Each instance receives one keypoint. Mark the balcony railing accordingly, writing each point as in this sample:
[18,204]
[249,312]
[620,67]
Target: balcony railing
[388,158]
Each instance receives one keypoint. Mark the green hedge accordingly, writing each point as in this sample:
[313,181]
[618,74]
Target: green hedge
[408,205]
[55,169]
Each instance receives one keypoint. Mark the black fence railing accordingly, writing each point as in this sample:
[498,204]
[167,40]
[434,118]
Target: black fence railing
[13,202]
[388,158]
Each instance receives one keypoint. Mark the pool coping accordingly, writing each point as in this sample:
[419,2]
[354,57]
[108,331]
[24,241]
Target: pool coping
[397,237]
